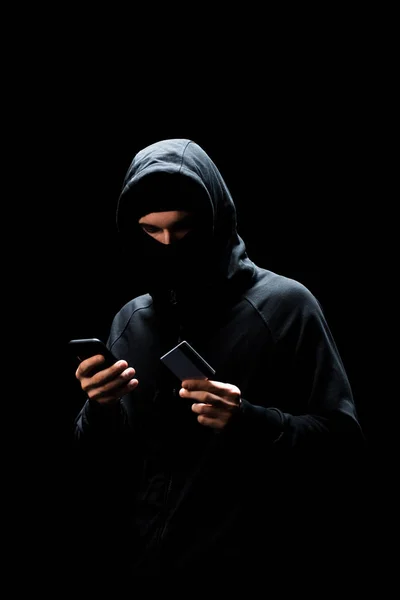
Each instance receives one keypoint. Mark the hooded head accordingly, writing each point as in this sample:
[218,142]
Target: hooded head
[171,175]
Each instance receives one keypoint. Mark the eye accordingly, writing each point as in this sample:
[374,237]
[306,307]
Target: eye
[150,228]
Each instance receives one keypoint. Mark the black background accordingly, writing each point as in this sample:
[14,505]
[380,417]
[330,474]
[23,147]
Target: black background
[292,114]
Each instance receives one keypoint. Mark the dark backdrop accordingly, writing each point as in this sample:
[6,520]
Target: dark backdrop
[294,139]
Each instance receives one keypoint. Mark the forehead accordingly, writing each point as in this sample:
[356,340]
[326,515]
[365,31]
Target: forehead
[165,219]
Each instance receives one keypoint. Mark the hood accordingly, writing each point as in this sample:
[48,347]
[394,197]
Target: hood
[226,253]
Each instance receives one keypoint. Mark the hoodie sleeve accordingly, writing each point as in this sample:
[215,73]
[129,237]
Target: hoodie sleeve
[99,422]
[312,404]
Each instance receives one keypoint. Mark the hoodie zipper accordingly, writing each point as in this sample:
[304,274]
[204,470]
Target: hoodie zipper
[172,297]
[161,530]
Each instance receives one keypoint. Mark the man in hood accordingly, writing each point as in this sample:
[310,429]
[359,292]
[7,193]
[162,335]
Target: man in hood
[223,473]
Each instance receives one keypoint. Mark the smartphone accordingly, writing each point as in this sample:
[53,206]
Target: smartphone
[86,347]
[186,363]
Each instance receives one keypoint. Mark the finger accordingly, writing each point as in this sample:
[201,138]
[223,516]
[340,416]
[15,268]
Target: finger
[200,408]
[208,416]
[197,384]
[111,390]
[200,396]
[216,387]
[91,367]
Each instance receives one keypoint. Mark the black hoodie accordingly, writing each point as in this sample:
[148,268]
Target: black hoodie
[251,492]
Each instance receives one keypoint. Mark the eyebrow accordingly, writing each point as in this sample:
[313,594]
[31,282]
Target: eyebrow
[186,220]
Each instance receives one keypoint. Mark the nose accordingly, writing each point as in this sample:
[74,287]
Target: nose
[166,238]
[169,237]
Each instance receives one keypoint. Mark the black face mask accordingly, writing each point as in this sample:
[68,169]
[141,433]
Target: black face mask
[182,264]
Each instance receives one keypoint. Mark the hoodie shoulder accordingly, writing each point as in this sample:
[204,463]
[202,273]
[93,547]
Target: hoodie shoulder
[284,302]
